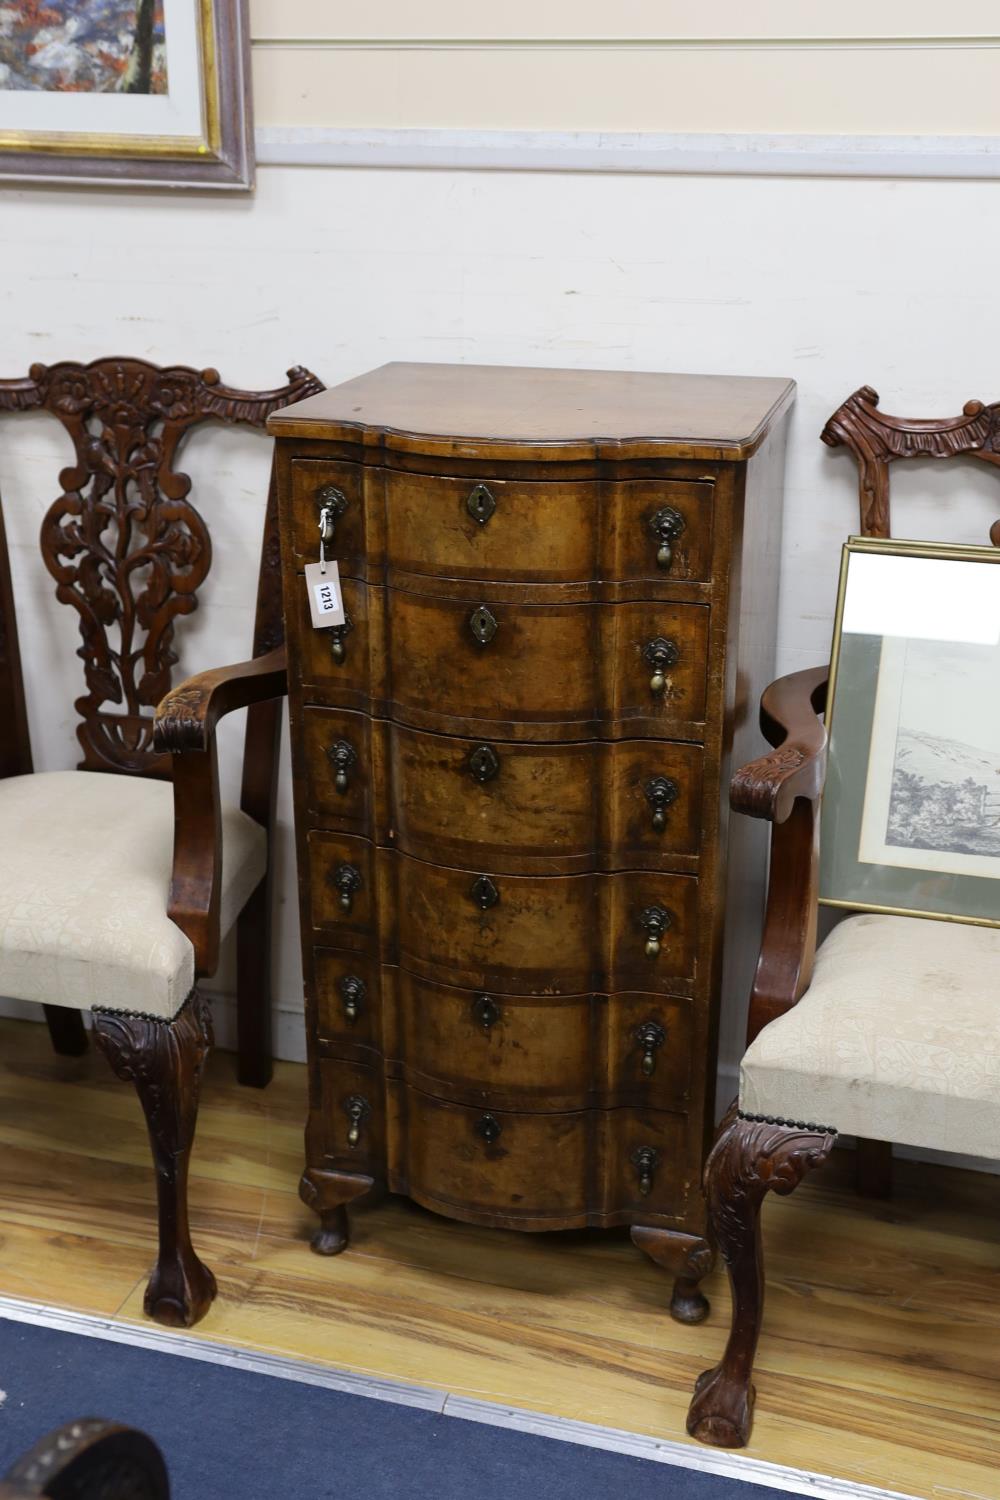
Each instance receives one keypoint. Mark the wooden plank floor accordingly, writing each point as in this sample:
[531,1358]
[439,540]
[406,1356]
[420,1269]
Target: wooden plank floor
[880,1360]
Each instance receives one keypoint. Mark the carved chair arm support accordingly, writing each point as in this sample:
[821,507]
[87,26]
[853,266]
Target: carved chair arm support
[769,787]
[185,726]
[785,788]
[187,716]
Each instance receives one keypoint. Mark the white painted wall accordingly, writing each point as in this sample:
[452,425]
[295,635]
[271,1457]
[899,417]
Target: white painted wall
[832,282]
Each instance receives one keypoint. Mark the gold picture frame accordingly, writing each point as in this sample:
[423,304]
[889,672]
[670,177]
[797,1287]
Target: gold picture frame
[911,823]
[206,142]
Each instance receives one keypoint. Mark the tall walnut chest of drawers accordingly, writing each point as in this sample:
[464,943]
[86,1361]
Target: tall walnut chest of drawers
[511,769]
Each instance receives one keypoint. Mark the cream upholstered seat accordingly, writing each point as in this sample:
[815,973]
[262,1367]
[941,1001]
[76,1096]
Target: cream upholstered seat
[897,1038]
[84,877]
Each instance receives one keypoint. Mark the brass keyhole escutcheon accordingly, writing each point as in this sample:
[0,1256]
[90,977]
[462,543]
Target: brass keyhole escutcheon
[661,792]
[484,893]
[666,526]
[357,1109]
[484,763]
[347,883]
[342,757]
[645,1159]
[352,991]
[483,624]
[486,1011]
[481,503]
[661,654]
[338,635]
[650,1036]
[655,921]
[489,1128]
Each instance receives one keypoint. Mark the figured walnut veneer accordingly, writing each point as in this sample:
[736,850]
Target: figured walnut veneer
[509,771]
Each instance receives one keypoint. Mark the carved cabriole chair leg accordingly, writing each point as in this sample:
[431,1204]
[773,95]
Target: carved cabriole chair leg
[688,1259]
[753,1156]
[166,1060]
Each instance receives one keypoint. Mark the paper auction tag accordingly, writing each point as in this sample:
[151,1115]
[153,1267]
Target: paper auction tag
[326,603]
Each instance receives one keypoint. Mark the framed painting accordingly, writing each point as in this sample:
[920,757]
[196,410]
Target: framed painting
[153,92]
[911,811]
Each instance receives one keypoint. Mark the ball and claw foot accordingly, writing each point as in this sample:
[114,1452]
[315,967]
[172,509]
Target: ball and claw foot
[688,1303]
[331,1238]
[180,1292]
[721,1411]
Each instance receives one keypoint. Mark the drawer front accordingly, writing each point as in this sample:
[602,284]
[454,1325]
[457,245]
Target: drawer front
[658,530]
[544,934]
[337,489]
[634,803]
[536,1170]
[335,663]
[493,528]
[538,1053]
[344,899]
[347,992]
[521,934]
[351,1119]
[341,773]
[574,663]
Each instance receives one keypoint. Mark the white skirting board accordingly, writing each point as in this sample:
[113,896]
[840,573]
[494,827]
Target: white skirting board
[612,151]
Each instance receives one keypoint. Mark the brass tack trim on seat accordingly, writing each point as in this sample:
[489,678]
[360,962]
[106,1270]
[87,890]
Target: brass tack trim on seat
[140,1015]
[791,1124]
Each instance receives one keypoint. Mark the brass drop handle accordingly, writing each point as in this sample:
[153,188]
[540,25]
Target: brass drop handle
[489,1128]
[661,792]
[486,1011]
[661,654]
[347,882]
[666,526]
[342,757]
[645,1159]
[357,1109]
[655,922]
[650,1036]
[353,991]
[332,504]
[338,634]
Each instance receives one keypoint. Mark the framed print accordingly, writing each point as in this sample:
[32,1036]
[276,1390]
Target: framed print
[911,811]
[153,92]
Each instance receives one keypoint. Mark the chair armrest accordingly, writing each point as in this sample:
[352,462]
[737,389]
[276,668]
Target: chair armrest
[785,788]
[789,718]
[187,716]
[185,725]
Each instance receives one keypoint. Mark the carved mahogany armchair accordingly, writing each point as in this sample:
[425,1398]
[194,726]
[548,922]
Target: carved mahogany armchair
[852,1032]
[117,889]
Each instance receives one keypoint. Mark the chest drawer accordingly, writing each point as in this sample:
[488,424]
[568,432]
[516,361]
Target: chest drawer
[551,671]
[532,934]
[337,488]
[509,530]
[535,1171]
[534,1052]
[522,806]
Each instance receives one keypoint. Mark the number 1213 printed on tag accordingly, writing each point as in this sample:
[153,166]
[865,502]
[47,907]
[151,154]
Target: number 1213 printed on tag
[326,602]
